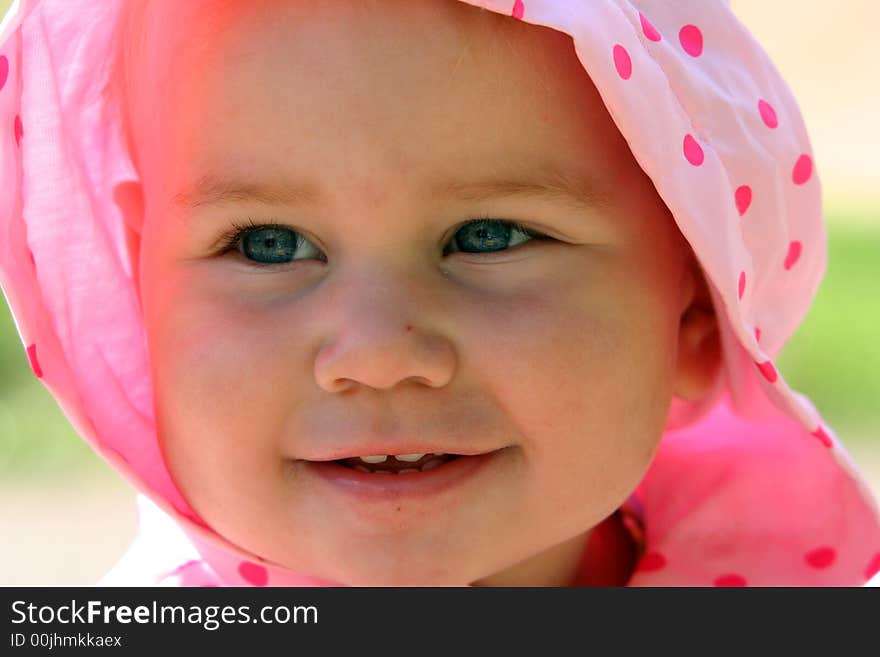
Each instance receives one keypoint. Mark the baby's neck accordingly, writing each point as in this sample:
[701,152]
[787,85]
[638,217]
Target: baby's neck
[558,566]
[603,556]
[610,555]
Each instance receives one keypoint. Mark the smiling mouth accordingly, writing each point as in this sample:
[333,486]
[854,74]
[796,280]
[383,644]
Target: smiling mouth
[399,464]
[385,480]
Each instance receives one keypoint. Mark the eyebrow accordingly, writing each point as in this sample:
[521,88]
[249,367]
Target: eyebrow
[546,183]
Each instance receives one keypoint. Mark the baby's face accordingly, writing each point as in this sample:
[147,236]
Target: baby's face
[375,314]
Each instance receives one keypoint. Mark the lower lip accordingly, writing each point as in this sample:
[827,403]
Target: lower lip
[395,487]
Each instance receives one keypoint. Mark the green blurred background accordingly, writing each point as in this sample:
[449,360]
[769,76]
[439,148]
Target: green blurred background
[72,516]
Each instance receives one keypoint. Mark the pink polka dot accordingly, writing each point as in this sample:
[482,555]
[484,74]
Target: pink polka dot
[692,151]
[768,114]
[873,566]
[731,579]
[820,557]
[651,561]
[803,168]
[794,252]
[768,371]
[742,283]
[649,30]
[32,358]
[743,197]
[757,334]
[18,129]
[691,40]
[822,436]
[518,9]
[253,573]
[4,71]
[622,62]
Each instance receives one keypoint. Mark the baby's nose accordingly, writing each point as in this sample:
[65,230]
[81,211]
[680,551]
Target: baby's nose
[383,357]
[380,335]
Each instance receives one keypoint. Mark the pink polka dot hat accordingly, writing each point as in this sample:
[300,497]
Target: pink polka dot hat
[753,489]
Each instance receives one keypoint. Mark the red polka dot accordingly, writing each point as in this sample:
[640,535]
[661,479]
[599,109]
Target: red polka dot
[803,168]
[18,129]
[253,573]
[692,151]
[622,62]
[4,71]
[649,30]
[757,334]
[873,566]
[822,436]
[743,197]
[691,40]
[651,561]
[768,114]
[518,9]
[794,252]
[768,371]
[820,557]
[742,283]
[731,579]
[32,358]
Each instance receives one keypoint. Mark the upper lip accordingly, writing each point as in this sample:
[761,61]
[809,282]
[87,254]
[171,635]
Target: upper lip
[397,448]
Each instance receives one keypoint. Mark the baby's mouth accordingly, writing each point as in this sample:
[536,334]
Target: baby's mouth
[423,479]
[396,463]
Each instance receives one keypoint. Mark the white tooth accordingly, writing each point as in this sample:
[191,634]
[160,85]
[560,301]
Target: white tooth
[433,463]
[407,470]
[362,468]
[374,459]
[409,458]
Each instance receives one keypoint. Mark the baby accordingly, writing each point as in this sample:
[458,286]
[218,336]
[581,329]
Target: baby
[418,309]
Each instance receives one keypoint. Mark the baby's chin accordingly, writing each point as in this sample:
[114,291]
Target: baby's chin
[403,577]
[419,569]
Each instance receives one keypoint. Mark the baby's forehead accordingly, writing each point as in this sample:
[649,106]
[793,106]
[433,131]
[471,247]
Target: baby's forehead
[362,101]
[163,40]
[207,45]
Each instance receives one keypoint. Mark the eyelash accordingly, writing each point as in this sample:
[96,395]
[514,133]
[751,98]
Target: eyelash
[230,240]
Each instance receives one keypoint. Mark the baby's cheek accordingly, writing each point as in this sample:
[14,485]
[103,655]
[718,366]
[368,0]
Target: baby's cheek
[602,404]
[197,359]
[218,413]
[642,382]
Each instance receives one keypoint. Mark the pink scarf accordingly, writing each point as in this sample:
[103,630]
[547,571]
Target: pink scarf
[754,489]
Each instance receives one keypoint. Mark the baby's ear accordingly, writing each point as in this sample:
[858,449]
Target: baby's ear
[129,197]
[699,340]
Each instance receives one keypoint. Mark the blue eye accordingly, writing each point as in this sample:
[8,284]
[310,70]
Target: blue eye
[265,244]
[272,243]
[491,235]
